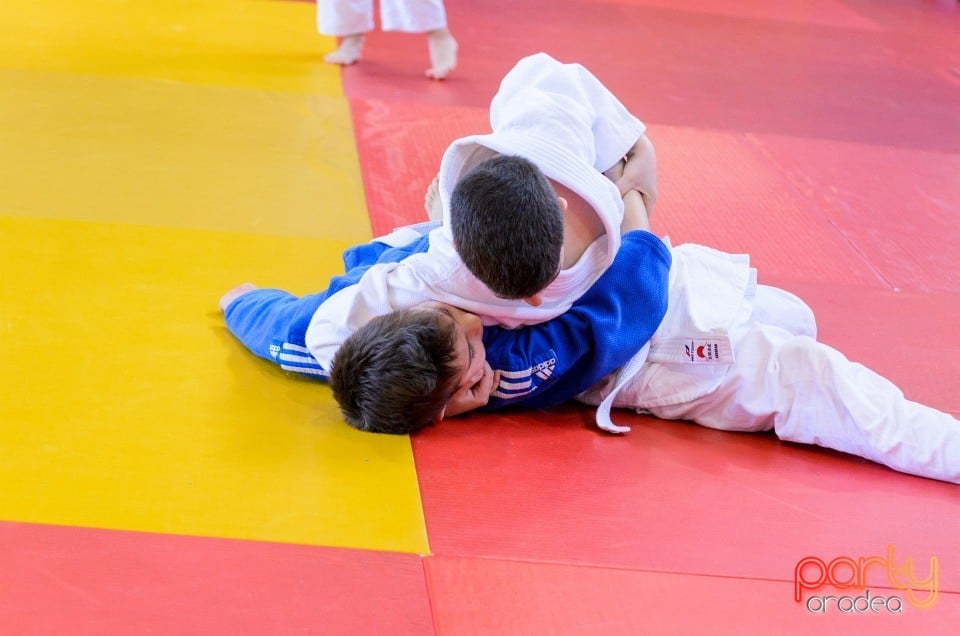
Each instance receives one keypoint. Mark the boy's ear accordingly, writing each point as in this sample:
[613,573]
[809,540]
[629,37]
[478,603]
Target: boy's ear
[439,417]
[563,204]
[534,301]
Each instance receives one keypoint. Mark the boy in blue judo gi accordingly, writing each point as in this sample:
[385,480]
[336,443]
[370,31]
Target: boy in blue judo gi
[722,350]
[412,368]
[410,388]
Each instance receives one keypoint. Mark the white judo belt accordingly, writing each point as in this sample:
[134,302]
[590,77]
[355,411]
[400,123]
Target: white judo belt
[713,350]
[697,350]
[710,292]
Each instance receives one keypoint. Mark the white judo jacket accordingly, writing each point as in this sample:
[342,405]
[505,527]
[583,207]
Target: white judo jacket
[560,117]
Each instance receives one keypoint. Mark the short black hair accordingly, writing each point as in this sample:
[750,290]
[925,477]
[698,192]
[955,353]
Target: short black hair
[396,374]
[507,226]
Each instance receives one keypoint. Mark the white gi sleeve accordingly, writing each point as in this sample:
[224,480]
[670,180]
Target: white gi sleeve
[566,102]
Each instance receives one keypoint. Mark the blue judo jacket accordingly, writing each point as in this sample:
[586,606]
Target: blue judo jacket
[540,365]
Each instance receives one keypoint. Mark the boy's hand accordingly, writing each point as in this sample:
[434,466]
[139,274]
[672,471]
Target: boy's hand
[473,397]
[635,210]
[640,173]
[431,201]
[615,173]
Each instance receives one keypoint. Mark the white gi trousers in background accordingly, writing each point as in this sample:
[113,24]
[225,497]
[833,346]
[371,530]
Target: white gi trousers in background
[783,380]
[346,17]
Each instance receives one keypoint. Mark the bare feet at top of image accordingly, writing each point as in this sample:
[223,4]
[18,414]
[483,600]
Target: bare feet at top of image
[233,294]
[351,46]
[443,53]
[440,44]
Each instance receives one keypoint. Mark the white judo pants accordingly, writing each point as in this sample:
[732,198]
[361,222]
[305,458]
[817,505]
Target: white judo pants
[808,392]
[345,17]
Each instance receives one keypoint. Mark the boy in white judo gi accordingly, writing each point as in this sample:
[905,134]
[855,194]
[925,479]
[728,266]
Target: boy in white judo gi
[572,129]
[351,19]
[540,102]
[413,367]
[728,354]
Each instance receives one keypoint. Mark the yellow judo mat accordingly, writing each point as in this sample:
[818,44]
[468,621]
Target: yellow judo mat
[155,155]
[158,478]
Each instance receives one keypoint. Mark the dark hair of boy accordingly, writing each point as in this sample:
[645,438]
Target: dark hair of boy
[507,226]
[395,374]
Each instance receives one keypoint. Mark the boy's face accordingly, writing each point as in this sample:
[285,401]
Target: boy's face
[476,377]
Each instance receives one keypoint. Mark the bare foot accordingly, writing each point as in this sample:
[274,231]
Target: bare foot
[351,46]
[443,53]
[233,294]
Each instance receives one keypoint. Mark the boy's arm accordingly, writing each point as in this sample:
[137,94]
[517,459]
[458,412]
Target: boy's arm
[272,323]
[636,215]
[403,241]
[640,173]
[543,365]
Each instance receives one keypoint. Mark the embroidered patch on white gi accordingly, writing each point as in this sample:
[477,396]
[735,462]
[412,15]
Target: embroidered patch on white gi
[701,351]
[715,350]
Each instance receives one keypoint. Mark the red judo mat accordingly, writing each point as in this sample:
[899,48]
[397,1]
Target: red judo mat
[82,581]
[822,138]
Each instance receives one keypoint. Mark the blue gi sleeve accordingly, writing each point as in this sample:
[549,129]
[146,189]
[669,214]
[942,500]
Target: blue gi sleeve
[543,365]
[272,323]
[378,252]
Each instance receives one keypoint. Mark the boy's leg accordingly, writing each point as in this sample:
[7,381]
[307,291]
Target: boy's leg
[412,16]
[258,317]
[843,405]
[779,308]
[423,16]
[271,323]
[344,17]
[349,19]
[233,294]
[349,51]
[443,53]
[810,393]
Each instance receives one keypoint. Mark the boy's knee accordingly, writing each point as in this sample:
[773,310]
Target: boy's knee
[780,308]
